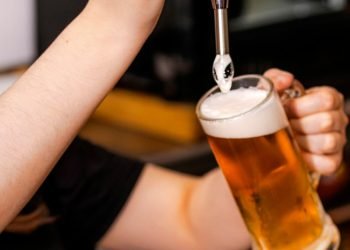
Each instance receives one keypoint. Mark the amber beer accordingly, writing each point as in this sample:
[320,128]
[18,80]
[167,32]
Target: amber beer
[250,137]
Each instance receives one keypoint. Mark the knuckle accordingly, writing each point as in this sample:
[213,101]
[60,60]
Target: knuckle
[331,143]
[328,100]
[332,165]
[328,122]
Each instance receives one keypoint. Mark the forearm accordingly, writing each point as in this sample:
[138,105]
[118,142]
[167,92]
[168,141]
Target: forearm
[214,215]
[168,210]
[44,109]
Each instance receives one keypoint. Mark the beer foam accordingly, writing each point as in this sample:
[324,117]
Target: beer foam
[225,115]
[219,106]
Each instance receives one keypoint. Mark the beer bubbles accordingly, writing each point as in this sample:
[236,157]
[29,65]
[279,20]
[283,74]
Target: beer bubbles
[223,72]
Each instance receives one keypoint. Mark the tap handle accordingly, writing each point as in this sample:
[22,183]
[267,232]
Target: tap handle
[220,4]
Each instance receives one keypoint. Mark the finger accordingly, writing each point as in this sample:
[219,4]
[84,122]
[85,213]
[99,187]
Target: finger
[329,143]
[320,122]
[281,79]
[316,100]
[323,164]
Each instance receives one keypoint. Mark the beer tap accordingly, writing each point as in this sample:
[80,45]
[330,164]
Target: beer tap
[223,67]
[221,26]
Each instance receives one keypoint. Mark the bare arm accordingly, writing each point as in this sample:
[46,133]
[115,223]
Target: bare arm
[168,210]
[44,109]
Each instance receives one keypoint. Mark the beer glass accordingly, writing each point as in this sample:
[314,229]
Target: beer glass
[250,137]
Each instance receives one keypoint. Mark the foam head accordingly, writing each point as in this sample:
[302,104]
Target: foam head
[242,113]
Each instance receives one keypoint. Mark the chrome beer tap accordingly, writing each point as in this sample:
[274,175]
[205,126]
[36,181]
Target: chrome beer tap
[223,70]
[221,26]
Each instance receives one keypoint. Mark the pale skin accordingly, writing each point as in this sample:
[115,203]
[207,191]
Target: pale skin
[45,109]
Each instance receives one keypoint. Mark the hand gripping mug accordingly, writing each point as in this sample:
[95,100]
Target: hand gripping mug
[250,137]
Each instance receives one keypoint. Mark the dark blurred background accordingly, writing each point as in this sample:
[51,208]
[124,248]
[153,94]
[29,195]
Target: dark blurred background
[306,37]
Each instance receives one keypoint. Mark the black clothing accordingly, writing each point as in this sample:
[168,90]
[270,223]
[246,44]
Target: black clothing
[86,191]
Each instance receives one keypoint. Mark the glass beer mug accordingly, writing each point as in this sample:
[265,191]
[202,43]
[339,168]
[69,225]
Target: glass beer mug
[249,134]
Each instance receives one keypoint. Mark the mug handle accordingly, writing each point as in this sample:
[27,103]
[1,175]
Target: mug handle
[294,91]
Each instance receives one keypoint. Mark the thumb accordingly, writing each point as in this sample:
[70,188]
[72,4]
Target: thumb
[280,79]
